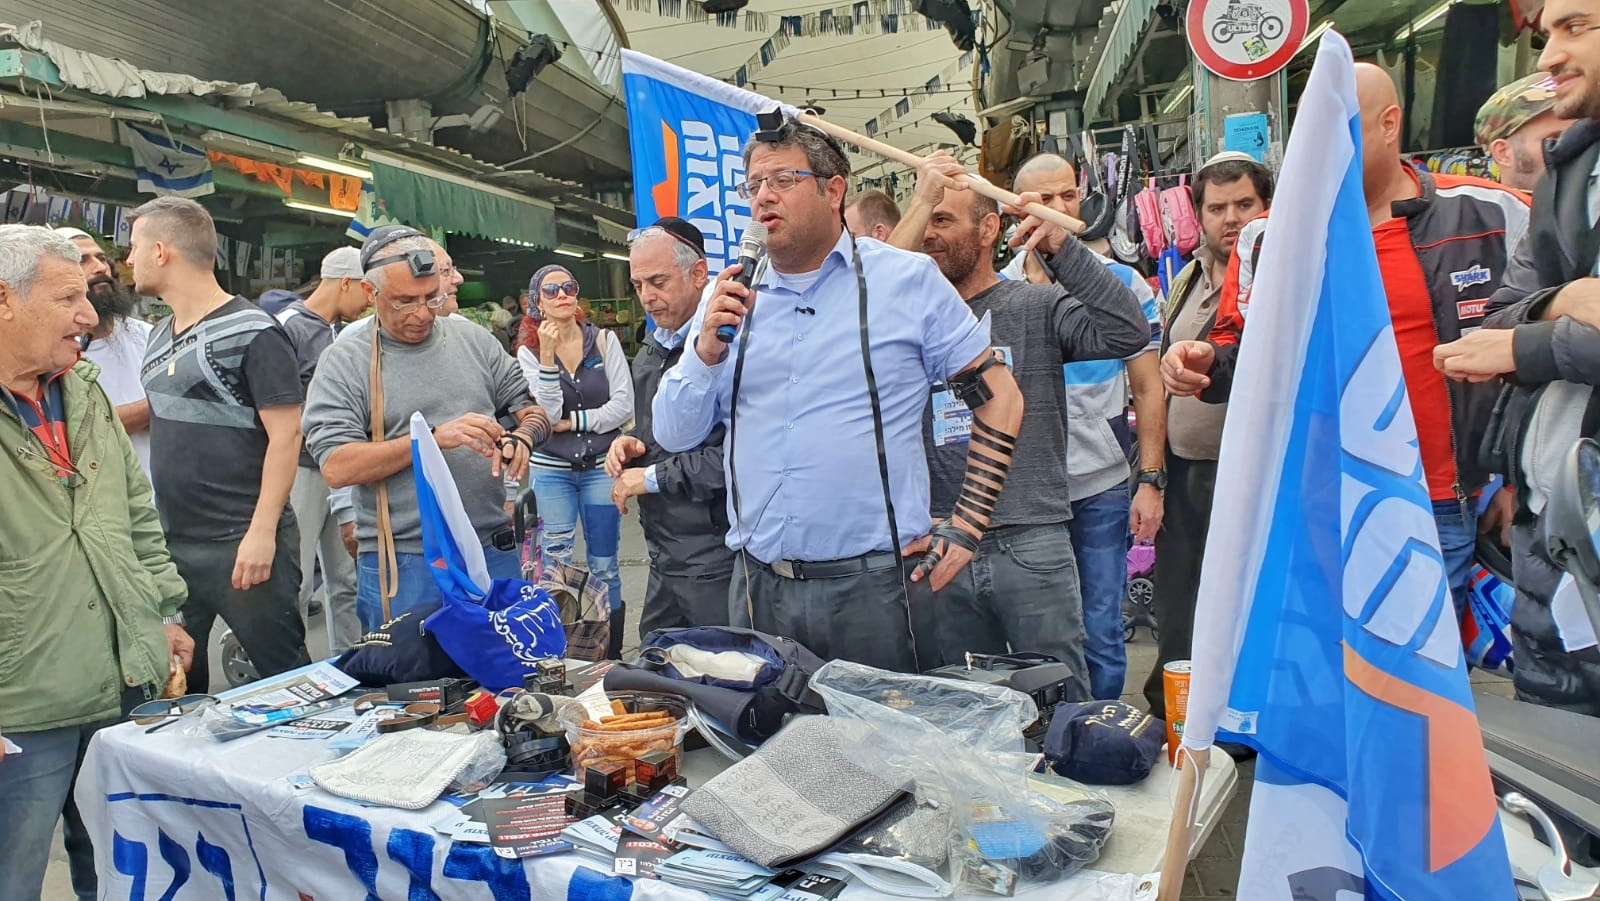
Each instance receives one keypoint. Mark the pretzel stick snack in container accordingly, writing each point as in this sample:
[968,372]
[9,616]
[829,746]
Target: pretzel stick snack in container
[639,723]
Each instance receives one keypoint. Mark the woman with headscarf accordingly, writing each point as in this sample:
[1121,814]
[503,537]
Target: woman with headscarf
[579,375]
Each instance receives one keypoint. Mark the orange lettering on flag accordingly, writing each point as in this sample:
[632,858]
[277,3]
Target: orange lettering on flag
[665,192]
[1461,800]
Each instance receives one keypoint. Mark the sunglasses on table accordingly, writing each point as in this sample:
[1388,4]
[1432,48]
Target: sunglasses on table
[166,710]
[556,289]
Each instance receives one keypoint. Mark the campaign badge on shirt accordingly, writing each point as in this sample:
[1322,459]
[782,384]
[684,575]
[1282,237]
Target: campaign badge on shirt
[952,419]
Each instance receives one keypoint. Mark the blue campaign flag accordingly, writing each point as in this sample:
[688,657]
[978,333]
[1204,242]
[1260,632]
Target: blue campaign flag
[687,133]
[1325,635]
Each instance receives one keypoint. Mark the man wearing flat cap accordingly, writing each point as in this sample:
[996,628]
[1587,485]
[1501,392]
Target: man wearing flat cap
[461,380]
[682,497]
[1513,124]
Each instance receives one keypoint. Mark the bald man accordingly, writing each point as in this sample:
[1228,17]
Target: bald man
[1443,243]
[1108,501]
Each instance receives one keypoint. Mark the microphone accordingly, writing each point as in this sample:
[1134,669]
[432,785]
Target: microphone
[752,247]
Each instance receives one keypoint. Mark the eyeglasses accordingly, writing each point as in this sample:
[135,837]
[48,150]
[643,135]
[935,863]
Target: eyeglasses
[73,479]
[556,289]
[169,708]
[782,180]
[410,306]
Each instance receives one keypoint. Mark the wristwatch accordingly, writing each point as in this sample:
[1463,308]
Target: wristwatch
[1156,477]
[175,619]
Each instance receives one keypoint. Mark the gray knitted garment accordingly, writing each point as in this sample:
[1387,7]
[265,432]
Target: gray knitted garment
[794,797]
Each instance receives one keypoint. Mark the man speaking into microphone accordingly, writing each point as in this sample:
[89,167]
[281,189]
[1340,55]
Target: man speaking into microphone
[822,392]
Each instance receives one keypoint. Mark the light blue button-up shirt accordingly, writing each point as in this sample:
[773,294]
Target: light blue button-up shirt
[806,461]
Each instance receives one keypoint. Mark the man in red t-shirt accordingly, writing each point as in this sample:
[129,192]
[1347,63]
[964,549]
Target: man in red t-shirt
[1443,243]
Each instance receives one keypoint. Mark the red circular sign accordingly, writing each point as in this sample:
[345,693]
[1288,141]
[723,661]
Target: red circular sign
[1243,40]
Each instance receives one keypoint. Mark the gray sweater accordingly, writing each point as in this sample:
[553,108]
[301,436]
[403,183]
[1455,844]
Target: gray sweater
[1089,315]
[460,368]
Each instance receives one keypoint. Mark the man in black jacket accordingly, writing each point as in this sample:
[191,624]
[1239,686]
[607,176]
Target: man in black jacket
[1542,329]
[682,497]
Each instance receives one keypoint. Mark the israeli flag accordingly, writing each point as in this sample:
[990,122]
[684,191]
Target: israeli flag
[449,542]
[369,214]
[1325,635]
[166,165]
[686,134]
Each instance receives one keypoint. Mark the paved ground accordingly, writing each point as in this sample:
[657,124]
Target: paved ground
[1213,875]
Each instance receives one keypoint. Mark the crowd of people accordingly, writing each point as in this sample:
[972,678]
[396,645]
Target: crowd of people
[879,444]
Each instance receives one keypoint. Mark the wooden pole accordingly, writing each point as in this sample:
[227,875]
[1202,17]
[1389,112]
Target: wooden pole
[1175,860]
[991,191]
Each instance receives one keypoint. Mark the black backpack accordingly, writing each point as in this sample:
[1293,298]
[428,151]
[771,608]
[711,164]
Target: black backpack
[754,708]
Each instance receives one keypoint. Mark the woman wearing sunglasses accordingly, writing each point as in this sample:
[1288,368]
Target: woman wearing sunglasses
[579,375]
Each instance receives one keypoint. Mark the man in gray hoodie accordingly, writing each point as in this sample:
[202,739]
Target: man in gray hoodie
[1020,592]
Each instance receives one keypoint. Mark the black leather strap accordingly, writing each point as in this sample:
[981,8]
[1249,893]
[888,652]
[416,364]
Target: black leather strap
[877,434]
[877,430]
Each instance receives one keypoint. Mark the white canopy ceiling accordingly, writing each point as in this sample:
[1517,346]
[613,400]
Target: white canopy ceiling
[858,78]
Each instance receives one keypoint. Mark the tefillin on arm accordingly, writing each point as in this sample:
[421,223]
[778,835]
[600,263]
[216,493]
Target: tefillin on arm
[989,452]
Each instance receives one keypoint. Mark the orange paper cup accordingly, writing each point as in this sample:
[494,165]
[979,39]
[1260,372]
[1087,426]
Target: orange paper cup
[1175,687]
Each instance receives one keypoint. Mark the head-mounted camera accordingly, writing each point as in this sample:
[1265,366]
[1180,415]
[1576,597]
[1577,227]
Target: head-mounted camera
[421,262]
[769,130]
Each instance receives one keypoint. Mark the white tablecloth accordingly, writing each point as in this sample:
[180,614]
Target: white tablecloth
[182,818]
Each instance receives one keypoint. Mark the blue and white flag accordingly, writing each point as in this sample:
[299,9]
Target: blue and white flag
[449,542]
[496,629]
[687,133]
[57,211]
[1325,635]
[122,235]
[94,217]
[369,214]
[166,165]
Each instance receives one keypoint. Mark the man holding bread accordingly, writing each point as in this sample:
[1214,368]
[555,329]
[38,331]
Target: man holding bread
[89,596]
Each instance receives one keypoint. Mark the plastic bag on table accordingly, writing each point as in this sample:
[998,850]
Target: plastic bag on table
[487,760]
[960,745]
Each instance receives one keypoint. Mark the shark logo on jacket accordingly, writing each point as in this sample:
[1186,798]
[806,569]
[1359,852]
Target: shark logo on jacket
[1466,278]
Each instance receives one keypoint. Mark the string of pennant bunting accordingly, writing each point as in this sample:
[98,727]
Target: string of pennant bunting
[343,190]
[863,17]
[879,125]
[933,87]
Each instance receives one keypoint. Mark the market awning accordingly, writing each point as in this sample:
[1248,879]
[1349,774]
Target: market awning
[419,194]
[1116,46]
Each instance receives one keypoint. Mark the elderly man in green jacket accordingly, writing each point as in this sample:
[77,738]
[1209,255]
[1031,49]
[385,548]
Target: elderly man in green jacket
[89,597]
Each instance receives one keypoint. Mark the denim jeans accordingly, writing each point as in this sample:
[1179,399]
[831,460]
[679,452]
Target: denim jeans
[567,496]
[415,586]
[1458,539]
[1020,592]
[1099,527]
[35,789]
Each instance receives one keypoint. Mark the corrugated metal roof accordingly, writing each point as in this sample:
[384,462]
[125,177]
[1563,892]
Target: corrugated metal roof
[362,132]
[113,79]
[1114,43]
[351,56]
